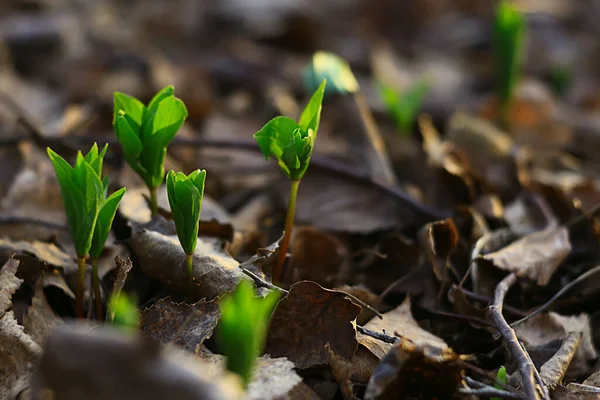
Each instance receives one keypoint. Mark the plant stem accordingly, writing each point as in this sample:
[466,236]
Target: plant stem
[287,234]
[381,160]
[79,288]
[153,201]
[96,286]
[189,263]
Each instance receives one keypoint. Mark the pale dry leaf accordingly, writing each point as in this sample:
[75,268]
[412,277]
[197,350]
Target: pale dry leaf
[9,284]
[544,328]
[104,363]
[553,370]
[47,253]
[161,257]
[535,256]
[593,380]
[400,322]
[40,319]
[123,268]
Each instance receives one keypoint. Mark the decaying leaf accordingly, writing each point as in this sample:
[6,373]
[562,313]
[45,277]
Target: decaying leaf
[543,329]
[18,351]
[106,364]
[535,256]
[186,325]
[357,369]
[440,238]
[45,252]
[553,370]
[40,319]
[123,268]
[328,313]
[400,322]
[161,257]
[263,261]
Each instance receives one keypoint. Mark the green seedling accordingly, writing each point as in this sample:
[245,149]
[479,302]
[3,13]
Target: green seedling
[509,33]
[561,79]
[403,107]
[145,132]
[243,327]
[89,212]
[341,80]
[185,198]
[291,143]
[500,377]
[123,311]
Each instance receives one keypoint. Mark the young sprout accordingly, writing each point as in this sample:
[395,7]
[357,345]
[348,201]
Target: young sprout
[291,143]
[185,198]
[123,311]
[561,79]
[404,106]
[145,132]
[341,80]
[500,377]
[243,327]
[509,32]
[86,207]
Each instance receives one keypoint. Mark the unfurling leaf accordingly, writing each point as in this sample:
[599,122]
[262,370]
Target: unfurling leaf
[185,198]
[332,68]
[290,142]
[243,327]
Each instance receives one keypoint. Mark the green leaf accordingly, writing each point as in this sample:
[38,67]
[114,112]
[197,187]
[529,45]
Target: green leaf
[104,222]
[404,106]
[509,32]
[162,94]
[311,116]
[125,311]
[334,69]
[500,376]
[170,115]
[130,106]
[243,326]
[131,143]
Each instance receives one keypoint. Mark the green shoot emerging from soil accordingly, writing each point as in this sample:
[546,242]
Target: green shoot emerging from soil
[124,311]
[185,198]
[403,107]
[291,143]
[243,328]
[500,377]
[509,32]
[145,132]
[89,212]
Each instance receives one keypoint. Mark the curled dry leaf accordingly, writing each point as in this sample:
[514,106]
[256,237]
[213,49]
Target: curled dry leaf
[18,351]
[541,330]
[161,257]
[316,256]
[328,314]
[186,325]
[400,322]
[439,239]
[553,370]
[106,364]
[123,268]
[263,261]
[40,319]
[535,256]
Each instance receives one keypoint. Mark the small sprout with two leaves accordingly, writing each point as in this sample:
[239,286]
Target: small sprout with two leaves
[185,198]
[291,143]
[145,132]
[123,311]
[243,326]
[89,212]
[404,106]
[509,34]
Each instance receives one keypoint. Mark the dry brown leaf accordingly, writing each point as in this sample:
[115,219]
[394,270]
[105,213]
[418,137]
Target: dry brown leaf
[439,239]
[161,257]
[535,256]
[9,284]
[553,370]
[186,325]
[45,252]
[542,329]
[263,262]
[328,314]
[593,380]
[123,268]
[358,369]
[400,322]
[40,319]
[103,363]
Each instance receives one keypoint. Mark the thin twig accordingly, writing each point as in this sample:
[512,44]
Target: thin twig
[558,294]
[20,220]
[526,367]
[479,297]
[536,374]
[489,391]
[467,318]
[377,335]
[486,374]
[260,282]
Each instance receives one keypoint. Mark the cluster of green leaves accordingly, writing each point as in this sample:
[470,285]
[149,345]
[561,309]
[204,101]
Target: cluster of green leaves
[509,33]
[185,198]
[291,142]
[145,131]
[243,327]
[89,212]
[124,311]
[404,106]
[332,68]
